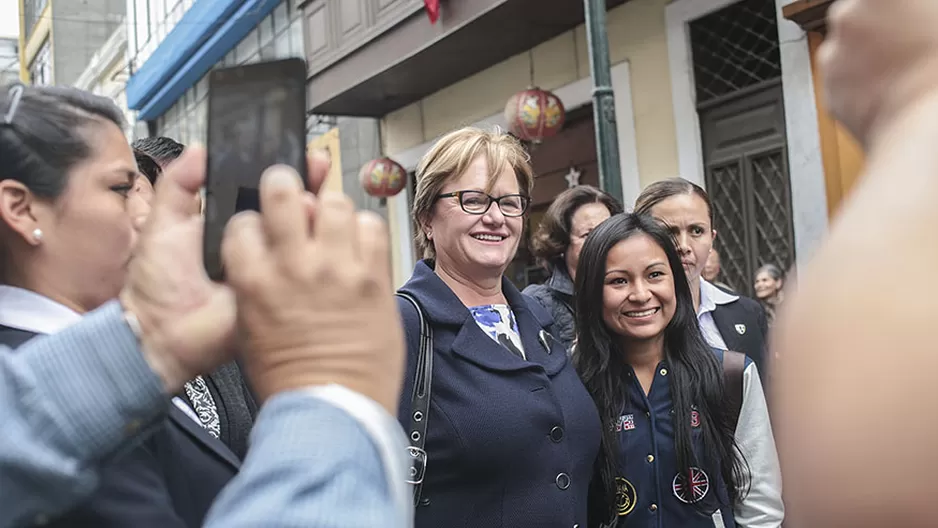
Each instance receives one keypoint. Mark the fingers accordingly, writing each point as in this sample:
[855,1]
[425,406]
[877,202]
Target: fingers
[373,245]
[283,203]
[336,227]
[183,178]
[318,165]
[243,247]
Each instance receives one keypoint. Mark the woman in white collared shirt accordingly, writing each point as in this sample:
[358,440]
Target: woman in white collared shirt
[727,320]
[67,177]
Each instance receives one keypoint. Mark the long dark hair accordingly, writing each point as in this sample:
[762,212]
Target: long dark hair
[696,377]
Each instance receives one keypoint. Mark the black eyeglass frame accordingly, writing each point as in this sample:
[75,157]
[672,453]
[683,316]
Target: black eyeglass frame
[525,201]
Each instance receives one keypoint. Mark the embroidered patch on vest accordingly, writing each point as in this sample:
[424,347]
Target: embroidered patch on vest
[626,497]
[691,490]
[626,422]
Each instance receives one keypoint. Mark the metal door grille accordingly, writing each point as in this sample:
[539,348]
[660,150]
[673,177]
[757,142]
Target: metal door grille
[726,186]
[735,48]
[752,215]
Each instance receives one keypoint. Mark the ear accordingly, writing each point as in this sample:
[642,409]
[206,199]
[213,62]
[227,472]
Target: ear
[714,234]
[424,225]
[18,210]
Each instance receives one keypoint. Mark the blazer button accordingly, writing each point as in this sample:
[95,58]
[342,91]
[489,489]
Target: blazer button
[562,481]
[653,507]
[556,434]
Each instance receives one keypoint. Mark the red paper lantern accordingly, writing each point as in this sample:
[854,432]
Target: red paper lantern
[383,177]
[534,114]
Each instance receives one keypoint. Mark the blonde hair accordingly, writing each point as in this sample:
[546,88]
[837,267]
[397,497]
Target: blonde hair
[451,156]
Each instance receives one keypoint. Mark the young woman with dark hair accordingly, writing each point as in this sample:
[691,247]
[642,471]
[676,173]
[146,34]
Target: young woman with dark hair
[670,454]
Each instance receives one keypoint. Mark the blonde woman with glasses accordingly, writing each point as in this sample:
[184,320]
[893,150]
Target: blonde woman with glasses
[502,431]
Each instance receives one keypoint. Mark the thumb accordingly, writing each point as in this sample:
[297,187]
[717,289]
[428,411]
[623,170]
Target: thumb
[173,196]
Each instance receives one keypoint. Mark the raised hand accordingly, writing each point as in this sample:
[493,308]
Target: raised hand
[313,285]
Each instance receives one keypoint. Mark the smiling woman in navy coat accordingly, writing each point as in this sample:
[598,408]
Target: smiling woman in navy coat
[512,432]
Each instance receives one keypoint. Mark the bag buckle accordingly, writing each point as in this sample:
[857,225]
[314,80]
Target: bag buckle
[418,465]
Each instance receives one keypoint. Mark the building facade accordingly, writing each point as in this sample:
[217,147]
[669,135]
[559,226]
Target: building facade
[720,92]
[9,60]
[80,28]
[175,43]
[106,74]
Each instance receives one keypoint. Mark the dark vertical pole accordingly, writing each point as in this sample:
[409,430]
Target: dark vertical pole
[604,108]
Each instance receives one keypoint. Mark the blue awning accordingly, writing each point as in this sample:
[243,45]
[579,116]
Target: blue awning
[206,33]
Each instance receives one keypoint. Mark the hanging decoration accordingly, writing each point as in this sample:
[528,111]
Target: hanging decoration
[433,10]
[534,114]
[383,177]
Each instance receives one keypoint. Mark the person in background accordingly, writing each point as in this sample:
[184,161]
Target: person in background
[676,449]
[728,321]
[512,434]
[66,187]
[855,387]
[73,401]
[712,269]
[148,172]
[557,243]
[161,149]
[770,281]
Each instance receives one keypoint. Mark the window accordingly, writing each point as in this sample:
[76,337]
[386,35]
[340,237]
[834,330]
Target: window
[142,22]
[40,71]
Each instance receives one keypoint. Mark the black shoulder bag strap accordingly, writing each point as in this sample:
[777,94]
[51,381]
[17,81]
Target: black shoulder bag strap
[420,402]
[734,363]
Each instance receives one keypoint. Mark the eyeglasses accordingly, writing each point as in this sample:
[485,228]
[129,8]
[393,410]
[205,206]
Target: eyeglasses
[478,203]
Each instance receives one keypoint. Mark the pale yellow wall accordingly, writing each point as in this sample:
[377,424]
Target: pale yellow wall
[636,33]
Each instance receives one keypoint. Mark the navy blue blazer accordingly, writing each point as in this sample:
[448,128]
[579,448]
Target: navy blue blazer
[168,481]
[510,442]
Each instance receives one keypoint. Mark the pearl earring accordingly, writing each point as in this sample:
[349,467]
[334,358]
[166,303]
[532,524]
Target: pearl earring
[37,234]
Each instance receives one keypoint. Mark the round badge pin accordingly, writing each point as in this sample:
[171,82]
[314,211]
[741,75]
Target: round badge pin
[626,497]
[693,489]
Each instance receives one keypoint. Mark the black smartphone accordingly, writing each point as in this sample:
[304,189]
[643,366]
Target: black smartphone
[256,118]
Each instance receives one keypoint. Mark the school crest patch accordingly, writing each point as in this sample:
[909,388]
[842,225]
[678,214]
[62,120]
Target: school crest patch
[626,497]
